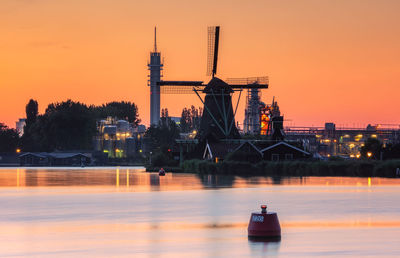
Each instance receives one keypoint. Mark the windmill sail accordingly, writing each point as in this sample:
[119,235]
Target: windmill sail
[212,57]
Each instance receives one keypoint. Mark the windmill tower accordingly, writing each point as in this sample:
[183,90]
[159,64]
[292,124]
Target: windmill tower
[155,67]
[218,120]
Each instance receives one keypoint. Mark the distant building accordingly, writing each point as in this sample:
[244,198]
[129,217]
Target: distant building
[118,138]
[54,159]
[344,142]
[19,126]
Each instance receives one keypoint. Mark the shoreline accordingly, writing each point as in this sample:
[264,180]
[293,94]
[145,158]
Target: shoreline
[348,168]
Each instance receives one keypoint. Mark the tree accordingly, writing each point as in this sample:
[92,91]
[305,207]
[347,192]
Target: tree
[70,125]
[31,110]
[190,119]
[372,149]
[163,136]
[391,151]
[8,139]
[121,110]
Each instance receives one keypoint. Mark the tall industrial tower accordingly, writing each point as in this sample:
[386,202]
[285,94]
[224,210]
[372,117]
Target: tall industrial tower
[155,67]
[252,123]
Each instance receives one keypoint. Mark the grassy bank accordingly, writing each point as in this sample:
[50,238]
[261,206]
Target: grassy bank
[352,168]
[166,168]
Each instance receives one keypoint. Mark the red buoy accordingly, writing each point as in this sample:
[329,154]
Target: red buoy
[264,225]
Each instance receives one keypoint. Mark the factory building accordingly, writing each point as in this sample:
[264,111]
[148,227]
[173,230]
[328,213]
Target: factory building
[345,142]
[20,125]
[118,138]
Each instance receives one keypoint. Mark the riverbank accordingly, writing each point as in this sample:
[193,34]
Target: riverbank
[348,168]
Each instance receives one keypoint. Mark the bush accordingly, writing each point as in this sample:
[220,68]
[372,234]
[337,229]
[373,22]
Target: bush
[358,168]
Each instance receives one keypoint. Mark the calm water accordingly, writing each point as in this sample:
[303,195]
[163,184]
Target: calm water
[107,212]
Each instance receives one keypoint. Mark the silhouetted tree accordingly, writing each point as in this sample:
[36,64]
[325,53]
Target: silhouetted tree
[163,136]
[31,110]
[374,146]
[121,110]
[8,139]
[391,151]
[190,119]
[70,125]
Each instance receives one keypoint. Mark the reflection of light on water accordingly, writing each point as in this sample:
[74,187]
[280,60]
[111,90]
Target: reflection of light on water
[17,177]
[127,178]
[144,181]
[117,178]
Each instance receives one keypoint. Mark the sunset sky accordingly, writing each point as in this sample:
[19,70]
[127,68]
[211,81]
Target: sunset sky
[328,61]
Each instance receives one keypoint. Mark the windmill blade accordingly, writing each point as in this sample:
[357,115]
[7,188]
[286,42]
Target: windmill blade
[180,83]
[249,82]
[180,87]
[212,56]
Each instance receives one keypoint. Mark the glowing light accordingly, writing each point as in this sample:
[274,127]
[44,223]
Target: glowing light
[105,151]
[369,181]
[358,156]
[18,150]
[194,132]
[369,154]
[140,151]
[117,178]
[374,136]
[127,178]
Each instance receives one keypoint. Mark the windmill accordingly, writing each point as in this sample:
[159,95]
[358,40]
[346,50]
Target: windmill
[218,120]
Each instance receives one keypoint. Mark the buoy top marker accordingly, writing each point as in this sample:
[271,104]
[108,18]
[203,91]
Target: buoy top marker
[263,208]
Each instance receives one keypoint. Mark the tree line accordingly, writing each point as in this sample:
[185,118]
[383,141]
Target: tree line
[66,125]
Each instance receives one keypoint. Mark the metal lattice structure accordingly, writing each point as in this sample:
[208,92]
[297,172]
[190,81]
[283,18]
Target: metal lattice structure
[248,81]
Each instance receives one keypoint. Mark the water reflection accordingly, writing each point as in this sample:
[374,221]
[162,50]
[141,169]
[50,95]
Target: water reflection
[136,179]
[264,246]
[216,181]
[125,211]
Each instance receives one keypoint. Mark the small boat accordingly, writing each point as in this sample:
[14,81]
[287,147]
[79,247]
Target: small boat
[161,172]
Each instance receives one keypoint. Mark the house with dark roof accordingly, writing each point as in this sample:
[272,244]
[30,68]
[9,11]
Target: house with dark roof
[284,151]
[254,152]
[217,151]
[54,159]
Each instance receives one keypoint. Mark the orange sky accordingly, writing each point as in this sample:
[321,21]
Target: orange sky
[327,60]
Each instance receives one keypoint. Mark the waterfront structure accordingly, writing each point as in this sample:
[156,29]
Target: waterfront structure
[19,126]
[155,67]
[256,150]
[55,159]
